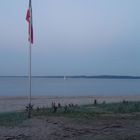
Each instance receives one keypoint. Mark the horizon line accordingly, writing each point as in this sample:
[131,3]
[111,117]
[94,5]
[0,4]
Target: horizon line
[72,76]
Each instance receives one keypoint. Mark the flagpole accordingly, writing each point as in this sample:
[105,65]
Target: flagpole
[30,62]
[30,74]
[30,79]
[30,39]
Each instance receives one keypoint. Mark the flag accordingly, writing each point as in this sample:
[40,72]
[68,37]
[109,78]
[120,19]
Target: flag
[29,19]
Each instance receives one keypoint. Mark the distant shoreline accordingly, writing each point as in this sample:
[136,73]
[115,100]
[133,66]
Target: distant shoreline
[80,76]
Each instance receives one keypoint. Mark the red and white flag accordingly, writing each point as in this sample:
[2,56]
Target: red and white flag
[30,22]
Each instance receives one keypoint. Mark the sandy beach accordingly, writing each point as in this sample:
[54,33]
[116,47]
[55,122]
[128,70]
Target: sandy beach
[60,128]
[18,103]
[104,126]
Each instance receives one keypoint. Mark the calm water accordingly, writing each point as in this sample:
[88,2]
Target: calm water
[70,87]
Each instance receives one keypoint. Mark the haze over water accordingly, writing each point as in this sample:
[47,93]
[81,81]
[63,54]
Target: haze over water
[71,37]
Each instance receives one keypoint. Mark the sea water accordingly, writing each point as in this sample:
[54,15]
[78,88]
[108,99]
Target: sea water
[18,86]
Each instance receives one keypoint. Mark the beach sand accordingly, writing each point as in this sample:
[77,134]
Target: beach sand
[60,128]
[18,103]
[110,127]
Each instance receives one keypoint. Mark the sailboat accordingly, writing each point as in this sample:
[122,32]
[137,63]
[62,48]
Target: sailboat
[64,77]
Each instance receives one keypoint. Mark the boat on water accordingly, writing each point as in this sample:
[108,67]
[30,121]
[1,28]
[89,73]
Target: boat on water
[64,77]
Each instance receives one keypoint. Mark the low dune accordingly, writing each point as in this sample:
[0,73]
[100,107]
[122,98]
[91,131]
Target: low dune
[18,103]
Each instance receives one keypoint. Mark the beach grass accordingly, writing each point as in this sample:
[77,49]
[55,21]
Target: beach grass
[91,111]
[122,107]
[12,118]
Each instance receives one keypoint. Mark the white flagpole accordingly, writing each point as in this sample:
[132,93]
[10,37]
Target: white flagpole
[30,66]
[30,72]
[30,79]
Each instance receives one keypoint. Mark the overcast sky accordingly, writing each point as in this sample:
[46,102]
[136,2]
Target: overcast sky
[71,37]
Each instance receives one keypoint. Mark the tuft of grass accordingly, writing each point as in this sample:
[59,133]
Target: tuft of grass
[12,118]
[123,107]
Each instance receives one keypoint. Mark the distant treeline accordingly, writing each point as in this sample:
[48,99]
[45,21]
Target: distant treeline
[84,76]
[97,77]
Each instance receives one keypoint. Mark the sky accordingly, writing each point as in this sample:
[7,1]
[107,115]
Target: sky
[71,37]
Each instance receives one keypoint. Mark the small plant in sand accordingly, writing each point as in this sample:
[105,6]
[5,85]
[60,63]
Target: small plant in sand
[95,102]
